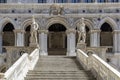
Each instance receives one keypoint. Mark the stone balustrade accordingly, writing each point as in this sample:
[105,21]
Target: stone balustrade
[21,66]
[100,69]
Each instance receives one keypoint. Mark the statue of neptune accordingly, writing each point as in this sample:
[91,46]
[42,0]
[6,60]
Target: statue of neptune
[34,28]
[81,31]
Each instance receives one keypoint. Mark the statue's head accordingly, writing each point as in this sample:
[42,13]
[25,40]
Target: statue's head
[82,20]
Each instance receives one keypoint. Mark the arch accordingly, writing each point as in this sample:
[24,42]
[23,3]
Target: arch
[57,39]
[57,20]
[28,22]
[5,21]
[110,21]
[88,23]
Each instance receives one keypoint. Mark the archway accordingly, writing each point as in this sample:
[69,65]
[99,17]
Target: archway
[8,35]
[57,41]
[27,35]
[106,36]
[87,36]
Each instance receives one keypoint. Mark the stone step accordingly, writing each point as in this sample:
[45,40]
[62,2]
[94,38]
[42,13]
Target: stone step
[60,78]
[58,68]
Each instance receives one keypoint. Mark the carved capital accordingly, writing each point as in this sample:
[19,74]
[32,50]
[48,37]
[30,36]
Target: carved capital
[116,31]
[19,31]
[71,31]
[43,31]
[95,31]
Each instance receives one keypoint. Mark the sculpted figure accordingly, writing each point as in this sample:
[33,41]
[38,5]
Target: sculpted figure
[56,9]
[81,31]
[34,28]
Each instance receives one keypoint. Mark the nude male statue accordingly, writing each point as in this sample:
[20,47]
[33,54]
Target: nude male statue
[81,31]
[34,28]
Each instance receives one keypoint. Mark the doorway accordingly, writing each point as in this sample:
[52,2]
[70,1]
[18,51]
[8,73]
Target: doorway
[57,40]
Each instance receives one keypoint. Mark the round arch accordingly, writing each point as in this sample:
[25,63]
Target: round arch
[88,23]
[5,21]
[110,21]
[28,22]
[57,20]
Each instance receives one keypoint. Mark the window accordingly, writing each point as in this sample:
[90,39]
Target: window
[75,1]
[88,1]
[101,1]
[114,0]
[62,1]
[3,1]
[41,1]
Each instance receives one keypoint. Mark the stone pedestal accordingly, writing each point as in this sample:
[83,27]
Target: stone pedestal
[81,46]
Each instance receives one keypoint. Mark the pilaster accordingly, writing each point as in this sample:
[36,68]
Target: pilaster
[71,42]
[43,42]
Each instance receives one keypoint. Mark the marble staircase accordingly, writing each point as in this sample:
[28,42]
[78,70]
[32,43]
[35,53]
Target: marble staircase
[58,68]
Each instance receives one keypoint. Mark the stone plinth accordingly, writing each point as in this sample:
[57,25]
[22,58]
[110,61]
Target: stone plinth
[81,46]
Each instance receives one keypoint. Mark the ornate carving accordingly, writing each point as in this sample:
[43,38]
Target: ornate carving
[56,9]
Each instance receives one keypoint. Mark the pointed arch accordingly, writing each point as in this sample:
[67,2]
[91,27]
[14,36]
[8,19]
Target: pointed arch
[110,21]
[4,21]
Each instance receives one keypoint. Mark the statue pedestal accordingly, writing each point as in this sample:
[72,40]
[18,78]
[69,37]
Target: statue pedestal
[81,46]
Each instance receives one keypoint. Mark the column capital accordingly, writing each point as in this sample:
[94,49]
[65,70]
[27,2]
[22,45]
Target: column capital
[19,31]
[116,31]
[71,31]
[95,31]
[43,31]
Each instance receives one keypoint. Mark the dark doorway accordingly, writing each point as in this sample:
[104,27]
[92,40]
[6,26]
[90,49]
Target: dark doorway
[8,35]
[57,40]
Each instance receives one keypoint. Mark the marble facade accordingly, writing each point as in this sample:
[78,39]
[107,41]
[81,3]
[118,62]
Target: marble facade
[95,16]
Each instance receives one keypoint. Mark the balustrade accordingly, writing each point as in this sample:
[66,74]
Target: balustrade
[20,68]
[101,69]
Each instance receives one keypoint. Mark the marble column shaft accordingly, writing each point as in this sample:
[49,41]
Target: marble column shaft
[95,38]
[71,42]
[43,42]
[116,41]
[19,37]
[1,42]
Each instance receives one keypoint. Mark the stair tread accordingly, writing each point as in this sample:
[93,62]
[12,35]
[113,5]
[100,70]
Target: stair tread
[58,68]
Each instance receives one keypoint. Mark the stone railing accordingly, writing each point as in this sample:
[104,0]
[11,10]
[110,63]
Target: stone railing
[20,68]
[100,69]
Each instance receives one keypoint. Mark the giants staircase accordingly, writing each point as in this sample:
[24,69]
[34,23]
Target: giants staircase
[58,68]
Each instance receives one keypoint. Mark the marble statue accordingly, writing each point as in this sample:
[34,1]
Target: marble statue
[34,28]
[56,9]
[81,31]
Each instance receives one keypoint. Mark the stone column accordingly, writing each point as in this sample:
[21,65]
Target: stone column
[19,37]
[116,41]
[50,1]
[95,38]
[43,42]
[71,42]
[1,33]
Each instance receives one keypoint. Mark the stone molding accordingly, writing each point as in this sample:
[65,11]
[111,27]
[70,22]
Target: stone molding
[95,31]
[71,31]
[19,31]
[43,31]
[116,31]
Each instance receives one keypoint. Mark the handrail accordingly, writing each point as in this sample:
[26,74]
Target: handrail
[20,68]
[101,69]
